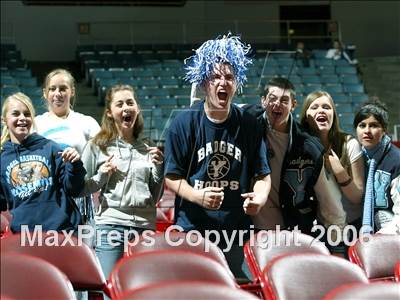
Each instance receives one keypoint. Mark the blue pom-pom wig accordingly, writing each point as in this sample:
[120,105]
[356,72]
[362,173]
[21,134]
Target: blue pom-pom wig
[227,49]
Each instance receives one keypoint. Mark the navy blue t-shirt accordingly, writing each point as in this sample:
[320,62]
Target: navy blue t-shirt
[229,155]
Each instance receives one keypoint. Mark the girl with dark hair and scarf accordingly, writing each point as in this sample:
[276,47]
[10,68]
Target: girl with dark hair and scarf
[382,192]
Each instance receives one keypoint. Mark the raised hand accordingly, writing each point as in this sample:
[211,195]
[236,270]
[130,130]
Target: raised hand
[70,155]
[333,162]
[156,155]
[108,166]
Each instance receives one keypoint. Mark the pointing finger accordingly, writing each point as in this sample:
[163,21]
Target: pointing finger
[248,195]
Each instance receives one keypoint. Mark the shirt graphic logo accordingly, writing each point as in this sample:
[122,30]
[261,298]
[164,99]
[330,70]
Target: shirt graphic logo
[381,185]
[218,166]
[297,180]
[28,172]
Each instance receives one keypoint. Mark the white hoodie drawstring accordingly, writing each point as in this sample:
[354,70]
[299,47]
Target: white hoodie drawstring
[126,175]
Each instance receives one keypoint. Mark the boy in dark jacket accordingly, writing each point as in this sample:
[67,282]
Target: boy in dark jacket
[301,191]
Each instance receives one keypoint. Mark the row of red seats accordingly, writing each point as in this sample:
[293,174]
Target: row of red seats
[78,262]
[280,272]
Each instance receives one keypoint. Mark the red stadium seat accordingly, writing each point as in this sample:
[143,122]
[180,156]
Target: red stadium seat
[149,268]
[376,255]
[270,244]
[6,218]
[74,258]
[397,272]
[28,277]
[179,241]
[370,291]
[165,210]
[183,241]
[187,290]
[308,276]
[5,226]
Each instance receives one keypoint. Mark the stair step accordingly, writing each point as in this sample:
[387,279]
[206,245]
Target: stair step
[87,102]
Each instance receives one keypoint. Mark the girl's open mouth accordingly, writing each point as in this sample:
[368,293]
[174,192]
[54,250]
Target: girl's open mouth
[127,119]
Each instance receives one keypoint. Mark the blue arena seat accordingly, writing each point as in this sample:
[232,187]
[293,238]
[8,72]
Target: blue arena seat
[315,79]
[27,81]
[288,70]
[333,88]
[32,91]
[130,81]
[340,97]
[324,62]
[268,62]
[319,53]
[22,73]
[307,71]
[329,78]
[121,73]
[166,102]
[350,79]
[97,75]
[311,87]
[295,79]
[341,62]
[8,80]
[299,87]
[285,61]
[346,70]
[358,98]
[9,90]
[169,82]
[344,108]
[327,70]
[353,88]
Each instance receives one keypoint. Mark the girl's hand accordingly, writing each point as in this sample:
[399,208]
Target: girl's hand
[156,155]
[70,155]
[108,166]
[334,163]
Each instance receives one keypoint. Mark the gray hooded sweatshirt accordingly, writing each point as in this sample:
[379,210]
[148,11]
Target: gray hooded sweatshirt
[129,195]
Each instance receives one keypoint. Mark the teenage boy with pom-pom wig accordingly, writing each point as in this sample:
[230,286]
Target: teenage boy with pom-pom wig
[215,152]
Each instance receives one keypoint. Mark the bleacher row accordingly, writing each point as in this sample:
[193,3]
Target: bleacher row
[11,58]
[157,75]
[160,85]
[16,76]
